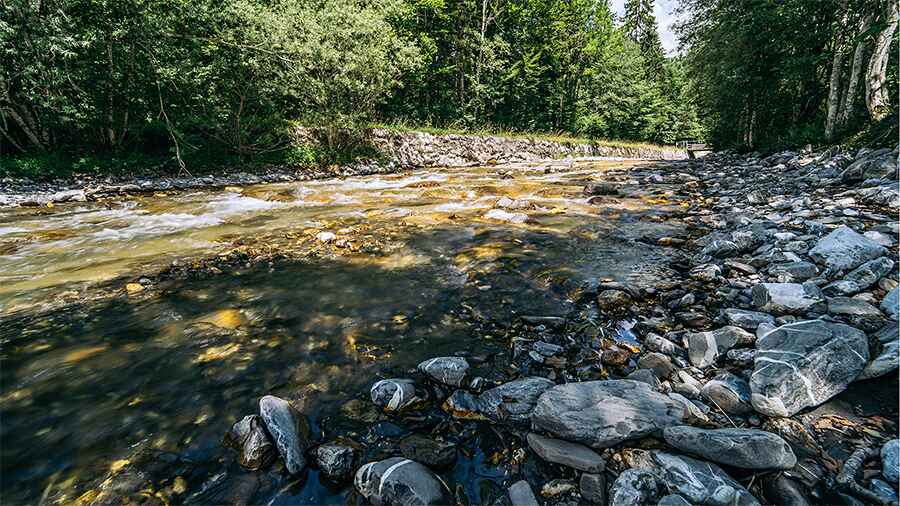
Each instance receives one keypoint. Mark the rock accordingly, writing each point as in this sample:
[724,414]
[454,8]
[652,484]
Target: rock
[604,413]
[433,453]
[786,298]
[707,273]
[335,461]
[887,361]
[520,494]
[401,482]
[511,402]
[660,364]
[593,488]
[858,312]
[394,394]
[288,428]
[803,364]
[890,304]
[693,413]
[447,370]
[742,357]
[700,482]
[705,347]
[745,448]
[747,319]
[781,490]
[795,271]
[558,486]
[326,237]
[248,436]
[883,489]
[658,343]
[728,392]
[567,454]
[845,249]
[610,300]
[501,215]
[673,500]
[877,164]
[890,461]
[645,376]
[634,487]
[601,189]
[862,277]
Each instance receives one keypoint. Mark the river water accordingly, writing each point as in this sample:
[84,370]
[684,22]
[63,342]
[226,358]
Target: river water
[422,264]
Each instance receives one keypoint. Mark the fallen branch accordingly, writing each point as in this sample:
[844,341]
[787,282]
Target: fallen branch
[846,479]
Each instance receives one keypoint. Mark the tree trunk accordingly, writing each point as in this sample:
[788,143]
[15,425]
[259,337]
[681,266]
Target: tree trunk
[834,86]
[848,101]
[876,98]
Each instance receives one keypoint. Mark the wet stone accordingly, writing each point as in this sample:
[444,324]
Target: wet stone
[288,428]
[437,454]
[804,364]
[394,394]
[745,448]
[511,402]
[520,494]
[567,454]
[248,436]
[610,300]
[604,413]
[335,461]
[728,392]
[447,370]
[635,487]
[399,481]
[700,482]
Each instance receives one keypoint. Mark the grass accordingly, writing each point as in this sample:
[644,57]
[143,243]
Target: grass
[560,137]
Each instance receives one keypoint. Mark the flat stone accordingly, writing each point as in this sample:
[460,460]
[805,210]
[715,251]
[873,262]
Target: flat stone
[604,413]
[428,451]
[887,361]
[335,461]
[634,487]
[862,277]
[567,454]
[804,364]
[786,298]
[747,319]
[511,402]
[728,392]
[890,461]
[745,448]
[394,394]
[858,312]
[890,304]
[520,493]
[399,481]
[288,428]
[845,249]
[796,271]
[447,370]
[700,482]
[593,488]
[248,436]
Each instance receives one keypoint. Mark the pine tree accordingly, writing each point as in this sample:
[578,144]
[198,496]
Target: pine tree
[640,27]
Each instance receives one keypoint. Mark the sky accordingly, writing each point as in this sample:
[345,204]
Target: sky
[665,17]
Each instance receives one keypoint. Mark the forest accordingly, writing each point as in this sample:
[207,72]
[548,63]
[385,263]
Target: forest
[202,81]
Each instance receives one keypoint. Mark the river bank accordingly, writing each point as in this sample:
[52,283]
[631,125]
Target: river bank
[719,331]
[398,151]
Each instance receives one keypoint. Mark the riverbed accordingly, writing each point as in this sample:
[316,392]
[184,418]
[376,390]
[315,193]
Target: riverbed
[101,361]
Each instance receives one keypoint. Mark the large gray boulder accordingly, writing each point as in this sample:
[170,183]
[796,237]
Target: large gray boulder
[700,482]
[567,454]
[786,298]
[447,370]
[288,428]
[804,364]
[746,448]
[510,402]
[876,164]
[601,414]
[401,482]
[845,249]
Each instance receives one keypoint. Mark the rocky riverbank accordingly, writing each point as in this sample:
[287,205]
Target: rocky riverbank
[400,151]
[755,376]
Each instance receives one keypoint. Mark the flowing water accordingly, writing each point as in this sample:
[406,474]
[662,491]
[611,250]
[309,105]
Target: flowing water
[458,254]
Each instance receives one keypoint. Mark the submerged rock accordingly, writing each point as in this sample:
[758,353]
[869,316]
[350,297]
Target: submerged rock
[604,413]
[567,454]
[804,364]
[845,249]
[248,436]
[746,448]
[430,452]
[335,461]
[447,370]
[511,402]
[288,428]
[399,481]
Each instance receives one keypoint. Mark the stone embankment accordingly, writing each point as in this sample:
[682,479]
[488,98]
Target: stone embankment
[400,151]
